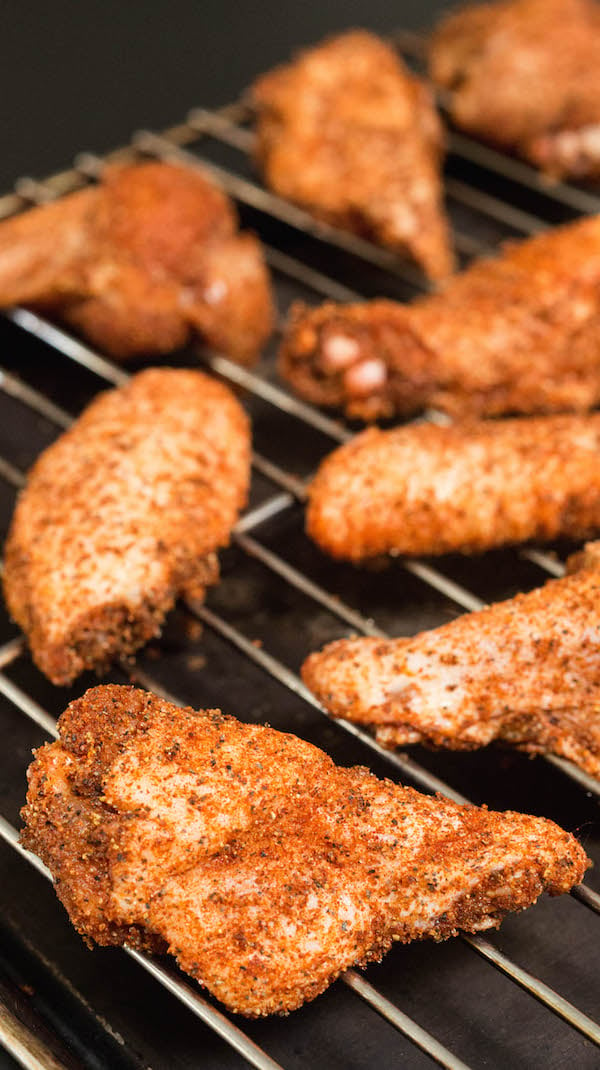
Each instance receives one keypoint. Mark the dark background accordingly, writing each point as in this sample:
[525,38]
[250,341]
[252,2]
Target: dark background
[83,75]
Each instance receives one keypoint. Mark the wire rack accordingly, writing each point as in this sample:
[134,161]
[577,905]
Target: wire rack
[296,591]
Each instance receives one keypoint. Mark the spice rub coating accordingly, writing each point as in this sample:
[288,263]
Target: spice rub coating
[525,671]
[516,334]
[263,867]
[426,489]
[525,75]
[140,263]
[346,131]
[122,514]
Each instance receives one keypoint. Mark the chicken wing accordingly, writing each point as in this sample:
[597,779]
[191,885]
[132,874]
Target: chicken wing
[266,869]
[122,514]
[139,262]
[519,333]
[425,489]
[525,75]
[347,132]
[526,671]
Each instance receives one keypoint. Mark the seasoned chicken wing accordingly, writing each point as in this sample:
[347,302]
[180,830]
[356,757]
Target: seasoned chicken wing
[263,867]
[140,262]
[347,132]
[519,333]
[525,75]
[425,489]
[122,515]
[525,671]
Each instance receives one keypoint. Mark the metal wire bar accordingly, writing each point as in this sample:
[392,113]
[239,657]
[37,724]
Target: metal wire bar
[235,373]
[483,156]
[12,650]
[586,781]
[547,562]
[67,345]
[268,510]
[293,683]
[546,995]
[11,474]
[287,498]
[225,128]
[39,716]
[408,766]
[105,369]
[241,189]
[298,580]
[434,578]
[93,165]
[27,705]
[292,486]
[169,979]
[255,517]
[310,277]
[27,1049]
[301,582]
[249,380]
[281,399]
[292,576]
[414,45]
[401,1021]
[537,988]
[21,391]
[493,207]
[587,896]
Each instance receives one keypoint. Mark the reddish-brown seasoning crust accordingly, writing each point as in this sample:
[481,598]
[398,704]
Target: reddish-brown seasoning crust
[122,515]
[525,671]
[263,867]
[525,75]
[425,489]
[140,262]
[519,333]
[346,131]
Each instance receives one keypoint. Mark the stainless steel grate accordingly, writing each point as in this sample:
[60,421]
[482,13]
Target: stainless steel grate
[221,142]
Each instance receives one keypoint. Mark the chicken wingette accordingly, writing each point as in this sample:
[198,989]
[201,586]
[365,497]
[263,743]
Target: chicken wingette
[519,333]
[262,866]
[140,263]
[425,489]
[347,132]
[525,75]
[525,671]
[122,514]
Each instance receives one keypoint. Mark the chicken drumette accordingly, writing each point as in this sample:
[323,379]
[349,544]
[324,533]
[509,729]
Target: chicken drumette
[141,262]
[519,333]
[266,869]
[347,132]
[525,75]
[525,671]
[124,513]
